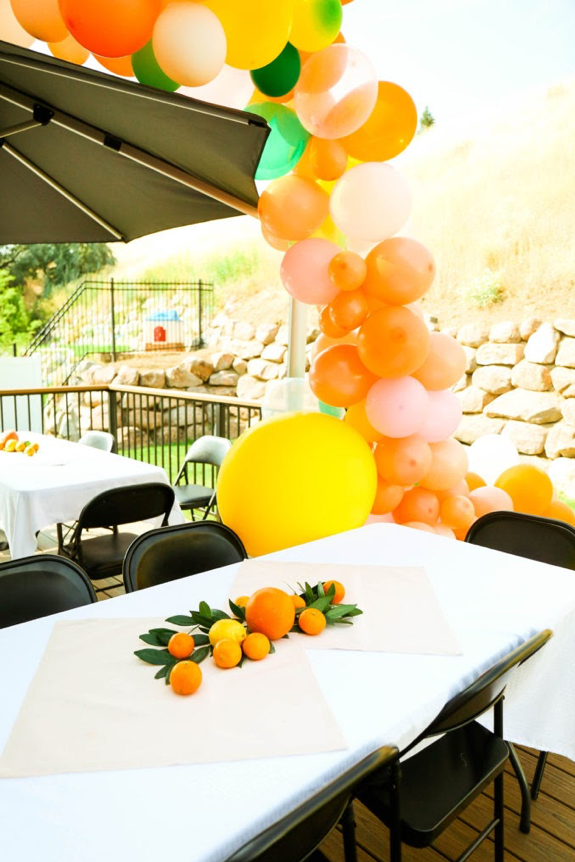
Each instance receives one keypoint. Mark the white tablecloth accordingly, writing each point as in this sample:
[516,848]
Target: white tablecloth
[202,813]
[55,484]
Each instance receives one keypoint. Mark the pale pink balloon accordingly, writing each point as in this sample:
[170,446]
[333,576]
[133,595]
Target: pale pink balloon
[380,519]
[231,88]
[443,418]
[370,202]
[419,525]
[336,91]
[449,465]
[189,43]
[443,530]
[304,270]
[397,407]
[489,499]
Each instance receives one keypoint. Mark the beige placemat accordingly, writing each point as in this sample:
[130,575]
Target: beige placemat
[401,612]
[93,705]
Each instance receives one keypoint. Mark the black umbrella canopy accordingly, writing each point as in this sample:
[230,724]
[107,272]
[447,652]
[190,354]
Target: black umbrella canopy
[88,157]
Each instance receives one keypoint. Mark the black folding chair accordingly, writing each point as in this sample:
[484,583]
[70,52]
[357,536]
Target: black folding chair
[43,584]
[103,556]
[419,796]
[544,539]
[298,835]
[178,551]
[207,451]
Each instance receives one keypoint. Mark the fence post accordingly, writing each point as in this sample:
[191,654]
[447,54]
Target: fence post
[200,338]
[113,317]
[113,414]
[220,423]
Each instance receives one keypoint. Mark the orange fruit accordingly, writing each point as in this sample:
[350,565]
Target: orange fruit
[241,601]
[11,445]
[256,646]
[271,612]
[31,450]
[181,645]
[227,653]
[20,446]
[185,677]
[311,621]
[298,602]
[339,591]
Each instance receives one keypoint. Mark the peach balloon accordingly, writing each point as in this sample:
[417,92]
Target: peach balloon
[70,50]
[403,461]
[445,531]
[399,270]
[445,363]
[42,19]
[387,497]
[118,65]
[328,159]
[189,44]
[457,512]
[10,28]
[389,128]
[304,271]
[338,377]
[461,489]
[324,341]
[336,91]
[398,407]
[393,341]
[111,28]
[448,465]
[474,481]
[561,512]
[292,207]
[231,87]
[419,525]
[370,202]
[444,416]
[529,487]
[489,499]
[356,417]
[347,270]
[271,239]
[348,309]
[418,504]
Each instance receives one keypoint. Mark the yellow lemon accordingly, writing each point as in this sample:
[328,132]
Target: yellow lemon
[227,629]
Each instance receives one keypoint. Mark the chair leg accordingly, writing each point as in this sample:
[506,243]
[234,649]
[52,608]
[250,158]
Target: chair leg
[348,829]
[525,821]
[536,784]
[395,819]
[499,836]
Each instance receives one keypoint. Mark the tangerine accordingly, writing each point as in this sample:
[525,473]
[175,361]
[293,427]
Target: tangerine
[256,646]
[298,602]
[185,677]
[227,628]
[270,611]
[181,645]
[311,621]
[241,601]
[339,591]
[227,653]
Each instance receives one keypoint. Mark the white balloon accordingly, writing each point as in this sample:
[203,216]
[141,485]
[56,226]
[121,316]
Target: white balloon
[490,455]
[370,202]
[231,88]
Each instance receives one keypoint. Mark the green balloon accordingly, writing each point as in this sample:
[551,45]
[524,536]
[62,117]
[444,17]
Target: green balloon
[147,70]
[285,145]
[338,412]
[279,76]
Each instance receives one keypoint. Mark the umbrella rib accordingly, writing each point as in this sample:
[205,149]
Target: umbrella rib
[7,148]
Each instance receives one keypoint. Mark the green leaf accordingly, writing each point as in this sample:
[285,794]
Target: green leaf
[219,615]
[205,610]
[272,648]
[202,620]
[238,611]
[320,589]
[322,604]
[335,612]
[199,655]
[163,671]
[180,620]
[201,640]
[155,656]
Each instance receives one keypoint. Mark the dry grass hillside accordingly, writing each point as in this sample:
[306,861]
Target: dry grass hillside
[496,206]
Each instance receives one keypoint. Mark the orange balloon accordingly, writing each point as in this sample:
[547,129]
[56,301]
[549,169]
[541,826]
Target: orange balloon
[418,504]
[389,128]
[324,341]
[393,342]
[387,497]
[474,481]
[111,28]
[347,270]
[118,65]
[357,418]
[328,159]
[70,50]
[457,512]
[529,487]
[274,241]
[42,19]
[348,309]
[462,532]
[560,511]
[448,465]
[338,377]
[444,365]
[487,499]
[328,327]
[10,29]
[459,490]
[399,270]
[292,207]
[303,167]
[403,460]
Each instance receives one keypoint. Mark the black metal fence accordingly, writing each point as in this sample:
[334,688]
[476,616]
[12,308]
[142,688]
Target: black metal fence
[106,319]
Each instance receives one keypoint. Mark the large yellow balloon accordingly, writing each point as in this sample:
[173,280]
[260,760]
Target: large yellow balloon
[295,478]
[256,32]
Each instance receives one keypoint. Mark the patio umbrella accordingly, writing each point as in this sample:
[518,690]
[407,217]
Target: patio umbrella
[89,157]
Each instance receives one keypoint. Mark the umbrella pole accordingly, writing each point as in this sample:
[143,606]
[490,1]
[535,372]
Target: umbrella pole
[297,335]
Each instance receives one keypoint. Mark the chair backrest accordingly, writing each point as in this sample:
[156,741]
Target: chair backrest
[542,539]
[482,694]
[33,587]
[126,505]
[208,450]
[178,551]
[99,440]
[299,833]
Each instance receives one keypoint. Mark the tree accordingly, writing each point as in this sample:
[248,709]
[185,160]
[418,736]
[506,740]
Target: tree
[426,121]
[55,264]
